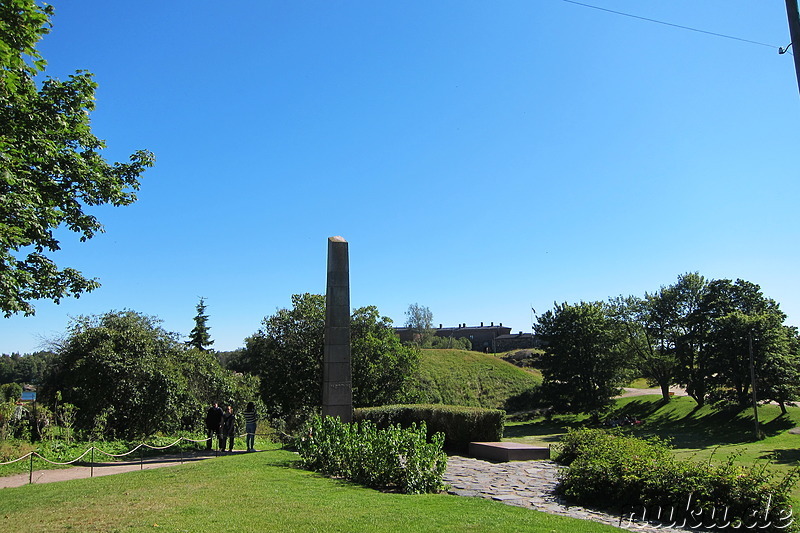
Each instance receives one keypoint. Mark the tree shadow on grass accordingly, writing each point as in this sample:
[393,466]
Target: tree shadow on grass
[684,425]
[783,456]
[779,424]
[639,409]
[732,425]
[546,430]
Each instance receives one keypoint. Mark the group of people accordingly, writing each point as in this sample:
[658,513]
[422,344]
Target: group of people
[221,424]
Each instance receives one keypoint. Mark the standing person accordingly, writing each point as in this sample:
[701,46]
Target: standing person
[250,419]
[228,429]
[213,423]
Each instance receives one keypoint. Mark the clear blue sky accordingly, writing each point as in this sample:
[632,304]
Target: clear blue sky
[480,157]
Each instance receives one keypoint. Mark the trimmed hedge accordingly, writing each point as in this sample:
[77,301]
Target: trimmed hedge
[642,477]
[460,425]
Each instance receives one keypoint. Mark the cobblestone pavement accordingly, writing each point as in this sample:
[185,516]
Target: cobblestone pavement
[529,484]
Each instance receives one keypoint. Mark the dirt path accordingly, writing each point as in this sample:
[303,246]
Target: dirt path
[103,469]
[629,391]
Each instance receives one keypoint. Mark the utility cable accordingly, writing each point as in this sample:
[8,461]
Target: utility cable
[781,50]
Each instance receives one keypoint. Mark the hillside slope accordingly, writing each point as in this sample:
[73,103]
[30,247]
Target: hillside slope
[461,377]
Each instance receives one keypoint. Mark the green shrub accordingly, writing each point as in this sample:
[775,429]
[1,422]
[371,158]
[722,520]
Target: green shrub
[460,425]
[10,392]
[611,469]
[450,343]
[393,457]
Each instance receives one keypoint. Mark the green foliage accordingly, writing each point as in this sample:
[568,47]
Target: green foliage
[392,457]
[649,328]
[65,414]
[10,392]
[462,377]
[698,333]
[50,165]
[128,377]
[200,338]
[288,354]
[419,319]
[234,360]
[27,368]
[459,425]
[736,315]
[6,414]
[441,343]
[382,367]
[583,365]
[611,469]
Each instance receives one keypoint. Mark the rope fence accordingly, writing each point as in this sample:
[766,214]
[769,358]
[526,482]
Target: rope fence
[140,447]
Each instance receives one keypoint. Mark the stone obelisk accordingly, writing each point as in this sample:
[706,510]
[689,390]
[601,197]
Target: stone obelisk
[337,381]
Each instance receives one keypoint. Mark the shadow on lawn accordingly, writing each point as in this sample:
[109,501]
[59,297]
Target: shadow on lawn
[732,425]
[679,421]
[783,456]
[546,430]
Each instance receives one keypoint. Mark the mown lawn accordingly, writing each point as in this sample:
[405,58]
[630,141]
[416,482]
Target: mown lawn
[700,434]
[462,377]
[254,492]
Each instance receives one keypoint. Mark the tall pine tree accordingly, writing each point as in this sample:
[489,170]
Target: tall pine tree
[200,337]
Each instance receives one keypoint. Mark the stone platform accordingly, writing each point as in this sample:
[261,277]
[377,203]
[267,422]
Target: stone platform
[507,451]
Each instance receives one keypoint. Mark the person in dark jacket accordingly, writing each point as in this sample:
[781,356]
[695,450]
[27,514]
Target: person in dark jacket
[213,423]
[228,429]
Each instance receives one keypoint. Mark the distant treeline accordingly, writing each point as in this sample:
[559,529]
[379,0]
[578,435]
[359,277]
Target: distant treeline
[26,368]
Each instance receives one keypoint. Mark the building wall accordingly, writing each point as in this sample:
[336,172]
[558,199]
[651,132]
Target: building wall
[482,337]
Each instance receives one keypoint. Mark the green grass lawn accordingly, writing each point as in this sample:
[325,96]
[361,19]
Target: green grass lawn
[462,377]
[696,433]
[254,492]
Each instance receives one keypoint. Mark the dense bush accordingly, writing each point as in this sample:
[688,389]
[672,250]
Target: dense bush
[128,377]
[460,425]
[10,392]
[610,469]
[393,457]
[440,343]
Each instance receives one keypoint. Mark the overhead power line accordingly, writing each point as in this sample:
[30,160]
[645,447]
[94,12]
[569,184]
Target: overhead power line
[673,25]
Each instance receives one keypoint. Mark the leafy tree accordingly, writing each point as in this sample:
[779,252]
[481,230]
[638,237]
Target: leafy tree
[659,336]
[382,367]
[686,296]
[288,353]
[10,392]
[200,337]
[125,361]
[779,378]
[645,340]
[736,313]
[419,320]
[234,360]
[50,165]
[123,368]
[583,366]
[27,368]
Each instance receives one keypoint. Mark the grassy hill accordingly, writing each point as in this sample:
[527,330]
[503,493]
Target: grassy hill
[461,377]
